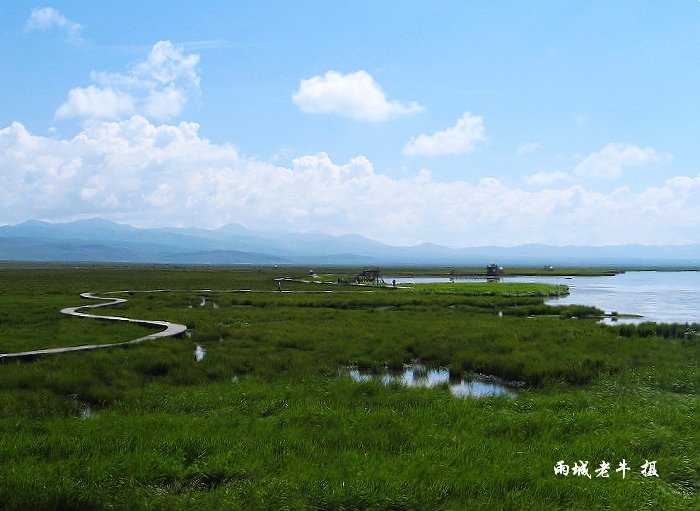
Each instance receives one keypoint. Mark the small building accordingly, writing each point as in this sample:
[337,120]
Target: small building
[369,275]
[493,272]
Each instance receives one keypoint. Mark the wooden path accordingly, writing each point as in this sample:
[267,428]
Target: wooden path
[171,329]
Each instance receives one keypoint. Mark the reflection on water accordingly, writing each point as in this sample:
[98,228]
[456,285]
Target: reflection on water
[660,296]
[356,375]
[83,408]
[206,302]
[433,280]
[199,353]
[418,375]
[476,388]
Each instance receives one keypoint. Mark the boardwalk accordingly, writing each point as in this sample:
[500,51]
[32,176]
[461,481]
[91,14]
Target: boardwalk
[171,329]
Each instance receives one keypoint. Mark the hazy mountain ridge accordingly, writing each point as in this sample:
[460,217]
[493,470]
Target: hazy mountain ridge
[98,240]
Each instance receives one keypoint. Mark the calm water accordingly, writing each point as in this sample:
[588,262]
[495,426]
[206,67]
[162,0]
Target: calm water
[664,297]
[417,375]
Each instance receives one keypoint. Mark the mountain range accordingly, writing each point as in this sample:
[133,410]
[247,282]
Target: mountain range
[102,241]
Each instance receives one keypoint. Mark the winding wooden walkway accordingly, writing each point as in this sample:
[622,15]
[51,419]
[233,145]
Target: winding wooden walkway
[171,329]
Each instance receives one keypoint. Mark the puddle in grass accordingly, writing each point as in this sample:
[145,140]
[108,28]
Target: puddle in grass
[418,375]
[206,302]
[199,353]
[83,408]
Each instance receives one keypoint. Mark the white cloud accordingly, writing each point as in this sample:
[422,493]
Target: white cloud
[355,95]
[47,17]
[93,102]
[167,64]
[135,172]
[528,147]
[164,104]
[158,88]
[609,161]
[458,139]
[545,178]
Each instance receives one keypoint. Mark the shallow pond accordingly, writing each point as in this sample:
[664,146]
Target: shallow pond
[206,302]
[83,408]
[429,280]
[660,296]
[418,375]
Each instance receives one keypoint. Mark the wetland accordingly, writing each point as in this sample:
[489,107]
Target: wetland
[634,296]
[322,396]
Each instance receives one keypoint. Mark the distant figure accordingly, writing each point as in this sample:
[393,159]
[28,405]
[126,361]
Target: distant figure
[393,282]
[279,285]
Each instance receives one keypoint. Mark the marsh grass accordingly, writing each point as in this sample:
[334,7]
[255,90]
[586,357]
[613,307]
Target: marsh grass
[504,289]
[265,422]
[36,323]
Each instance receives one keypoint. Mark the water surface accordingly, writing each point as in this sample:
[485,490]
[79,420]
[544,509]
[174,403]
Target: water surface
[418,375]
[660,296]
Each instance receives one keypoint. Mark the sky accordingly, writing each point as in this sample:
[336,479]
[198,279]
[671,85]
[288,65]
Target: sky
[462,123]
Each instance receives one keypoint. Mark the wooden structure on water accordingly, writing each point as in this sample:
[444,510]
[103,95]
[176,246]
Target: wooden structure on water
[493,272]
[369,276]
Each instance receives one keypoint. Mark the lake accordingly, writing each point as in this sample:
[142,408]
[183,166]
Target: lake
[660,296]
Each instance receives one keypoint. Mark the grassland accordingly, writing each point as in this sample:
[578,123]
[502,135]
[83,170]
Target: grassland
[266,421]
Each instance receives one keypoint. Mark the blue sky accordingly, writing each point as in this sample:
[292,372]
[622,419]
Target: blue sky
[461,123]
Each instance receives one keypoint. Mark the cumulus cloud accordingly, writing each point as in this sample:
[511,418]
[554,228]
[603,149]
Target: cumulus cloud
[148,175]
[158,88]
[355,95]
[609,161]
[92,101]
[458,139]
[545,178]
[47,17]
[528,147]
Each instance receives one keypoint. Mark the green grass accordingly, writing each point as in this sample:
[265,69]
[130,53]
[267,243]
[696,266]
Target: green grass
[32,323]
[505,289]
[264,421]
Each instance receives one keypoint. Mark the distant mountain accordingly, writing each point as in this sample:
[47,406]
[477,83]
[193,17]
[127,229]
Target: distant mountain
[98,240]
